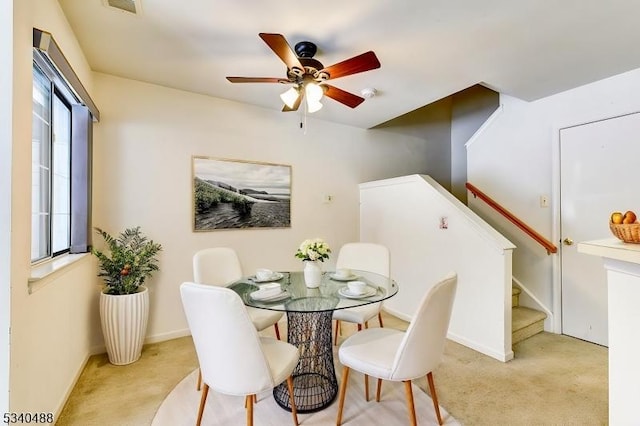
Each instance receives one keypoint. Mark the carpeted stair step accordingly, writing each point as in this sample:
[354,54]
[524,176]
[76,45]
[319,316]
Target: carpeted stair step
[525,322]
[515,296]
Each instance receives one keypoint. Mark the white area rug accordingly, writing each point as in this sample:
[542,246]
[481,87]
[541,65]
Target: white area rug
[181,405]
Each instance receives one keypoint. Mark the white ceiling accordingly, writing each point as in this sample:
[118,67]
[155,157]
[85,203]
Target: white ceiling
[428,49]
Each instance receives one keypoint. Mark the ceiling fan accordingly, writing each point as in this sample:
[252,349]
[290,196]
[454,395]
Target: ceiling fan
[308,76]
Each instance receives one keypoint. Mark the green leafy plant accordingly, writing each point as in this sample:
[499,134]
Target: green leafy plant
[131,258]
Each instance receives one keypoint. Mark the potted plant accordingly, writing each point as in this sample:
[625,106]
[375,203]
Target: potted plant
[312,252]
[129,259]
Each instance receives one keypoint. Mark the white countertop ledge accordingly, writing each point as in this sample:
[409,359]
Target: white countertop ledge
[611,248]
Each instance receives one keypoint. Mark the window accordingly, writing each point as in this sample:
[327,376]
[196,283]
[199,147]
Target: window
[40,145]
[51,169]
[60,166]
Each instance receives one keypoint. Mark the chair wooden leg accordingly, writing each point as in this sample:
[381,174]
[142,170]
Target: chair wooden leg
[410,406]
[380,320]
[378,389]
[275,326]
[366,388]
[253,397]
[343,393]
[292,401]
[366,324]
[359,327]
[434,397]
[248,402]
[199,384]
[338,328]
[203,400]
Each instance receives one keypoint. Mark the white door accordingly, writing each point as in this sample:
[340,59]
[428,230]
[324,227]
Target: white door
[598,175]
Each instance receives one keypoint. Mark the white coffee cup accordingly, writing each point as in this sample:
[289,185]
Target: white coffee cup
[357,287]
[343,273]
[264,274]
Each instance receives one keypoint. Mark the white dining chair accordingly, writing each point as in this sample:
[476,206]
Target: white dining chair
[365,257]
[220,266]
[395,355]
[234,359]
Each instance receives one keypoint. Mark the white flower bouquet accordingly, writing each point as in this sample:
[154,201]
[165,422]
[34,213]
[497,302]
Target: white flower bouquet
[313,249]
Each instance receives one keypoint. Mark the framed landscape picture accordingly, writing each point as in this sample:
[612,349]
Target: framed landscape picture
[234,194]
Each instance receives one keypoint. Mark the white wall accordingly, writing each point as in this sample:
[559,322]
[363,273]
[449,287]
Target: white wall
[404,214]
[6,58]
[514,159]
[142,176]
[52,328]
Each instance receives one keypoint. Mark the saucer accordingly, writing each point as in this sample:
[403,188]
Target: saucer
[274,277]
[347,278]
[344,291]
[268,296]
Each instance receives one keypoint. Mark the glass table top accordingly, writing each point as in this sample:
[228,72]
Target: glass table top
[332,293]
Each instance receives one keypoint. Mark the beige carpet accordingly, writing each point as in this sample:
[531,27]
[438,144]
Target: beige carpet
[181,405]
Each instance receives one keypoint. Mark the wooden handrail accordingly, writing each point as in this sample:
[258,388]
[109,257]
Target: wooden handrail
[548,245]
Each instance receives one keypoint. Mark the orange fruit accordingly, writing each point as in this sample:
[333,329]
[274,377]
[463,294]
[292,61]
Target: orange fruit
[629,217]
[617,217]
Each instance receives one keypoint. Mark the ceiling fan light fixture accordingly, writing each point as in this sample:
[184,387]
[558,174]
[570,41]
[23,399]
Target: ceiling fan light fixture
[313,106]
[313,92]
[290,96]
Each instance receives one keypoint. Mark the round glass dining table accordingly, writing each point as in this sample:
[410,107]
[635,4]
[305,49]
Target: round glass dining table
[309,312]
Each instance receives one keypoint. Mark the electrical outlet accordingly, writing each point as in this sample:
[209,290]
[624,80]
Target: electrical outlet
[544,201]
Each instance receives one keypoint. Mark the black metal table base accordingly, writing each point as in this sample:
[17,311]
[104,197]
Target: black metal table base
[314,379]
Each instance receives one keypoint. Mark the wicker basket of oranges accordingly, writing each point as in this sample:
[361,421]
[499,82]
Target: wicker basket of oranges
[625,227]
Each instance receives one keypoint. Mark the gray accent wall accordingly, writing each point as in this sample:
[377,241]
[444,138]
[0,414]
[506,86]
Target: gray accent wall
[446,126]
[431,123]
[470,108]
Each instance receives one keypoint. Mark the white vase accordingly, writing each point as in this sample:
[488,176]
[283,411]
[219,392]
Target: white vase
[124,325]
[312,273]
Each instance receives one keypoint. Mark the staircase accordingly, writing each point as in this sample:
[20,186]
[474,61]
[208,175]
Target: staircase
[525,322]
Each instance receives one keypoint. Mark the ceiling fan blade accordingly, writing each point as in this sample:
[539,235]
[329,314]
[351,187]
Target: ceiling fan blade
[361,63]
[257,80]
[295,106]
[279,45]
[342,96]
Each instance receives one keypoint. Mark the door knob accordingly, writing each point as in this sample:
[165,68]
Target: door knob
[568,241]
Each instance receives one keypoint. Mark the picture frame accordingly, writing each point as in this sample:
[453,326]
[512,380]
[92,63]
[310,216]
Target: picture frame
[239,194]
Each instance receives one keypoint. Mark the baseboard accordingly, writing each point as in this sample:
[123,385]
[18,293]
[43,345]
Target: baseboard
[396,313]
[100,349]
[504,357]
[167,336]
[72,385]
[500,356]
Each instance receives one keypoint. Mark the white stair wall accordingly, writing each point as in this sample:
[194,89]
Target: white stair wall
[405,214]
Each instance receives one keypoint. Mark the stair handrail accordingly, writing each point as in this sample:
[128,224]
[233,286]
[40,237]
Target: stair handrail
[548,245]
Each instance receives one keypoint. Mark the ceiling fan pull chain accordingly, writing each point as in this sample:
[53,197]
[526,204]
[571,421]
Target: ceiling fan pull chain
[304,132]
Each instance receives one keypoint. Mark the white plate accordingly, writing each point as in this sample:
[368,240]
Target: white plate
[344,291]
[349,278]
[275,277]
[271,298]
